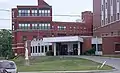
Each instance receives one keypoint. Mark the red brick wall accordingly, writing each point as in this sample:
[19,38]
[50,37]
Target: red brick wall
[109,44]
[87,44]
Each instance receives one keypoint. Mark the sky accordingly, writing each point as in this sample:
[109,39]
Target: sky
[60,7]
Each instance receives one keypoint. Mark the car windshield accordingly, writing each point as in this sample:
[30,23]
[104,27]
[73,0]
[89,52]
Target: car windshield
[7,65]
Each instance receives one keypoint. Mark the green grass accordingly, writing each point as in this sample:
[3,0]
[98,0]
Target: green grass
[57,64]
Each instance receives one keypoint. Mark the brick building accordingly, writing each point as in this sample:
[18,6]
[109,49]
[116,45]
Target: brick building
[106,20]
[35,22]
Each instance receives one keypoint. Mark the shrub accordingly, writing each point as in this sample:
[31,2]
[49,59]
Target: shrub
[90,52]
[50,53]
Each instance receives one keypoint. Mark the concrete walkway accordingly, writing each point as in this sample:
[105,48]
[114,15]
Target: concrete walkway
[114,62]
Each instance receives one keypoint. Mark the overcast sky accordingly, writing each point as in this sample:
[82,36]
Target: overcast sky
[60,7]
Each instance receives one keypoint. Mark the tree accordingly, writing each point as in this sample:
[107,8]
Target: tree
[5,43]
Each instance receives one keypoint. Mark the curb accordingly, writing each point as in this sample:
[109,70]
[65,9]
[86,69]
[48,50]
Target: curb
[92,71]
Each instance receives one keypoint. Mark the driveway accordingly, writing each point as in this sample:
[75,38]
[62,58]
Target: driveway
[114,62]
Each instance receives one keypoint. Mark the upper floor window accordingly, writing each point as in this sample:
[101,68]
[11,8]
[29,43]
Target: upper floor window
[34,12]
[61,27]
[44,12]
[23,12]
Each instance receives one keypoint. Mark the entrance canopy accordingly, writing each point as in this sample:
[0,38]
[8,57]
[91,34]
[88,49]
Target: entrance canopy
[63,39]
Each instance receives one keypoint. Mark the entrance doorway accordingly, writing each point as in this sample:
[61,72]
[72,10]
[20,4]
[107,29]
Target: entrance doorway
[68,48]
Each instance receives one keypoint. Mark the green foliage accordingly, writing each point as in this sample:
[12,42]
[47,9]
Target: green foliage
[90,52]
[6,44]
[49,53]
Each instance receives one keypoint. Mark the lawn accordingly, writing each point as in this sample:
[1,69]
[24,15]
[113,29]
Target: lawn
[57,64]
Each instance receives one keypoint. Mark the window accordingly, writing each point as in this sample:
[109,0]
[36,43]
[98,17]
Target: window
[99,47]
[38,49]
[24,38]
[40,12]
[44,26]
[117,47]
[24,12]
[34,37]
[45,48]
[118,16]
[48,12]
[61,27]
[24,26]
[13,28]
[34,26]
[31,50]
[44,12]
[42,49]
[34,12]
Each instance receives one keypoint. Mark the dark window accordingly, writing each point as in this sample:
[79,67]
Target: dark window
[24,38]
[30,49]
[42,49]
[45,48]
[34,12]
[38,49]
[117,47]
[33,49]
[118,16]
[99,47]
[34,37]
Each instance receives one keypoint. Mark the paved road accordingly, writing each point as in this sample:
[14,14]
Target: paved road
[114,62]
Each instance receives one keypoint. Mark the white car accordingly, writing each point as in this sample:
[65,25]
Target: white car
[7,66]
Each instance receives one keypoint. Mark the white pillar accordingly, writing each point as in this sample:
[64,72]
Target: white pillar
[31,49]
[44,49]
[40,49]
[54,44]
[96,52]
[47,47]
[68,48]
[79,48]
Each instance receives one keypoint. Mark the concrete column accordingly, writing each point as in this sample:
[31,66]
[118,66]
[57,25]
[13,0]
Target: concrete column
[44,48]
[69,48]
[34,49]
[40,49]
[31,49]
[47,47]
[79,48]
[54,44]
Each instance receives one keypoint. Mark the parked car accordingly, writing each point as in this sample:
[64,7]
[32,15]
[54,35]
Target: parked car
[7,66]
